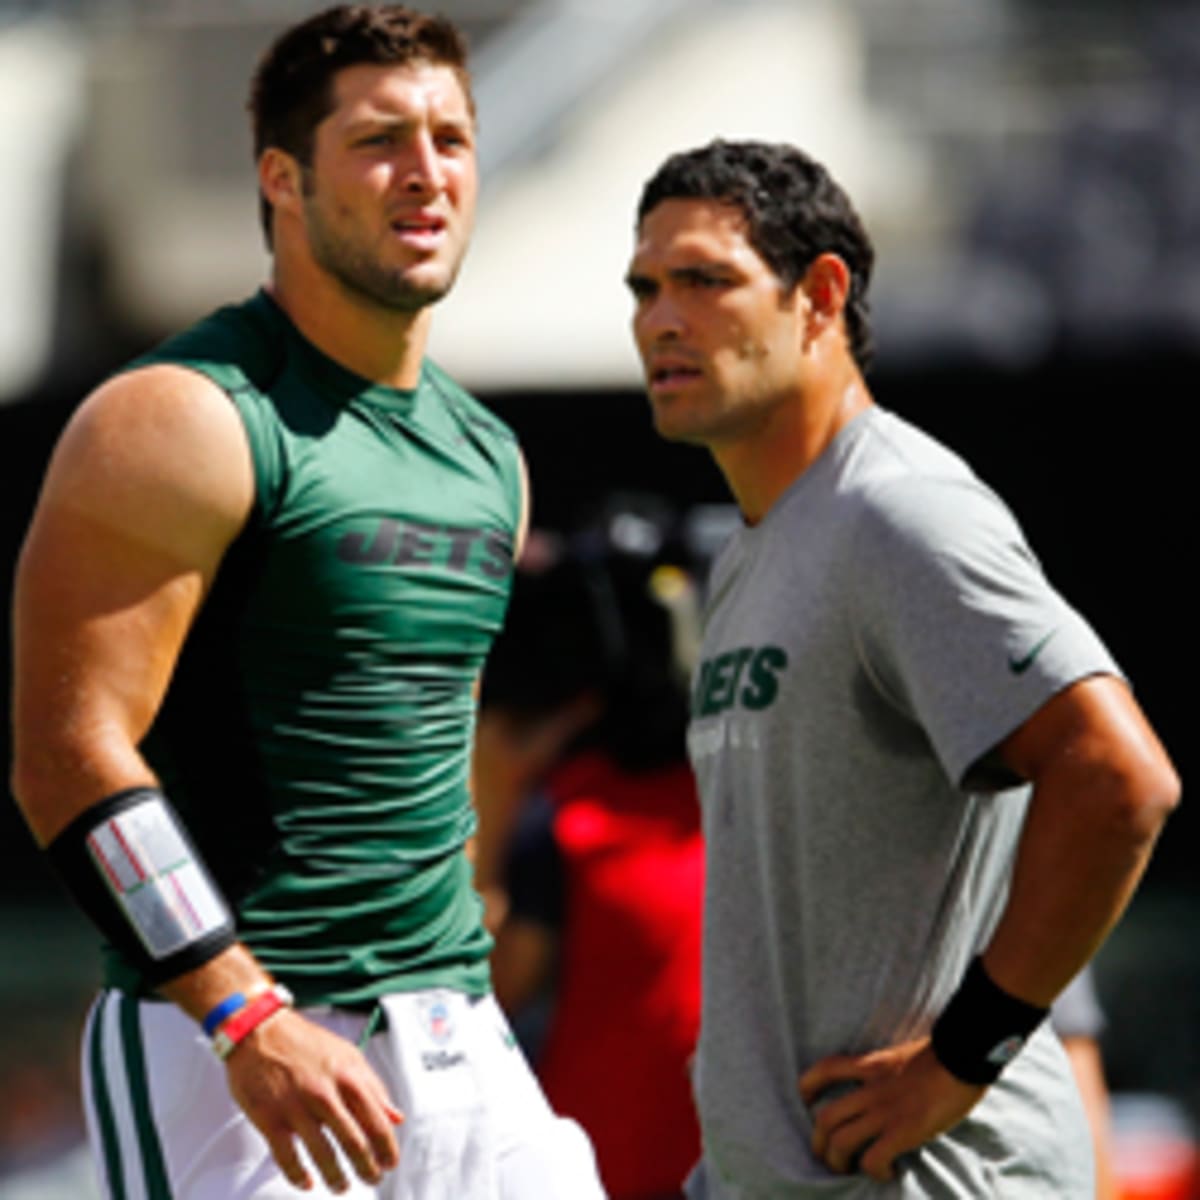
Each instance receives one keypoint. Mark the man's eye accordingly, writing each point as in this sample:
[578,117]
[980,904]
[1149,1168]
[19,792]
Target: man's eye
[696,278]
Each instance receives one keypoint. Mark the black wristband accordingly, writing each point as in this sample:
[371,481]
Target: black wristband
[983,1028]
[132,868]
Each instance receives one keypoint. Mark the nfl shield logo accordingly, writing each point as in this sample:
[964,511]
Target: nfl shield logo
[438,1024]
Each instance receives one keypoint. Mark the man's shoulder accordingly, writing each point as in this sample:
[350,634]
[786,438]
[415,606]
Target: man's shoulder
[238,346]
[910,495]
[900,475]
[894,454]
[156,450]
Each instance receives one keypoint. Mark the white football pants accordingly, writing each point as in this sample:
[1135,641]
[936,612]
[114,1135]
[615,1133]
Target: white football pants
[163,1126]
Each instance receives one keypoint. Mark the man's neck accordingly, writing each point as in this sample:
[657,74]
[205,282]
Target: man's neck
[383,345]
[759,468]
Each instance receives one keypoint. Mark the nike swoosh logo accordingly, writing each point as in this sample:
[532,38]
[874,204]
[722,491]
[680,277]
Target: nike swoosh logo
[1018,666]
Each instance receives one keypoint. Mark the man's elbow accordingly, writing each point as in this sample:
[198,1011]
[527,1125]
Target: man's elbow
[1143,799]
[1167,792]
[54,778]
[27,786]
[34,780]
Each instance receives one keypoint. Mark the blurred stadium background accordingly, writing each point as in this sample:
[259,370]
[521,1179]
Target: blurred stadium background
[1030,171]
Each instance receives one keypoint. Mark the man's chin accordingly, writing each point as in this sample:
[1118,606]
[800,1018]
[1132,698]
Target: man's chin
[672,429]
[403,291]
[429,283]
[403,295]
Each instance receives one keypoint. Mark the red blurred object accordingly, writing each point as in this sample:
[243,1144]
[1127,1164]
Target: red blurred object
[1156,1155]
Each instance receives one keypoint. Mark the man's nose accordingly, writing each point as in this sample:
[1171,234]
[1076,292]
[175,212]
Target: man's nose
[422,170]
[660,318]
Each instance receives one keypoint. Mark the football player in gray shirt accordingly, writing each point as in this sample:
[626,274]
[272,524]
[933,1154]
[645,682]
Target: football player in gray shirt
[928,793]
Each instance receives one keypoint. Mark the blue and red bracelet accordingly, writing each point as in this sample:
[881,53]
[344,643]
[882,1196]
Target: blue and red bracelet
[237,1016]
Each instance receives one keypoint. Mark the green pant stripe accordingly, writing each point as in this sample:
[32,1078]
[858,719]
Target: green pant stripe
[102,1104]
[158,1186]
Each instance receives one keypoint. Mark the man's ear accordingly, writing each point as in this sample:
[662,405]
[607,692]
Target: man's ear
[280,179]
[826,283]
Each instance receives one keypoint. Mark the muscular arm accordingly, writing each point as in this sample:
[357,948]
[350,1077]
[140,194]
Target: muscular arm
[1102,788]
[148,486]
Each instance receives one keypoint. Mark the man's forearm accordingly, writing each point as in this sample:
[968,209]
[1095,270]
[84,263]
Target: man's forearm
[55,778]
[1087,840]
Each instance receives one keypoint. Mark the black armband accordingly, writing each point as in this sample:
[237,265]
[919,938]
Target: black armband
[131,866]
[983,1028]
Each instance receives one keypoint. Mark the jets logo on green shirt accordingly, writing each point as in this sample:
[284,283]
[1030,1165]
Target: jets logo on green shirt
[404,543]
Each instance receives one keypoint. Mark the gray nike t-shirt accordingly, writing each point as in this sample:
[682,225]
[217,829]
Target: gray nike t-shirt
[866,645]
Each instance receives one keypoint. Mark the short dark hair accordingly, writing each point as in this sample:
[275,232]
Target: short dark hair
[291,92]
[794,212]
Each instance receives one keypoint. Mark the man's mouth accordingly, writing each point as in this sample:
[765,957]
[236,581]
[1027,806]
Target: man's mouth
[420,228]
[670,374]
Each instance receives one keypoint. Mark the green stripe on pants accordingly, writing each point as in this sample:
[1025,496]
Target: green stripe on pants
[102,1103]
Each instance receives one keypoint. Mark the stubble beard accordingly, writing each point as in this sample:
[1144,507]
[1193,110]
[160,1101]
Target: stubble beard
[362,273]
[674,426]
[710,424]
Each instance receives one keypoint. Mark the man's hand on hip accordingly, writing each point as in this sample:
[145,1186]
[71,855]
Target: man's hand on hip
[904,1098]
[294,1079]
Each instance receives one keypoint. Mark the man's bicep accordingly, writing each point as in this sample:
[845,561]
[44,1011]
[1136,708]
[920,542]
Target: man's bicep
[122,547]
[98,620]
[1091,739]
[959,625]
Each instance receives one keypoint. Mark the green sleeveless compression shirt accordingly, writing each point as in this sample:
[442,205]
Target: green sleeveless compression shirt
[316,735]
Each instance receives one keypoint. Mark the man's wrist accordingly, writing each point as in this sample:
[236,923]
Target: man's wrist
[983,1028]
[231,1028]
